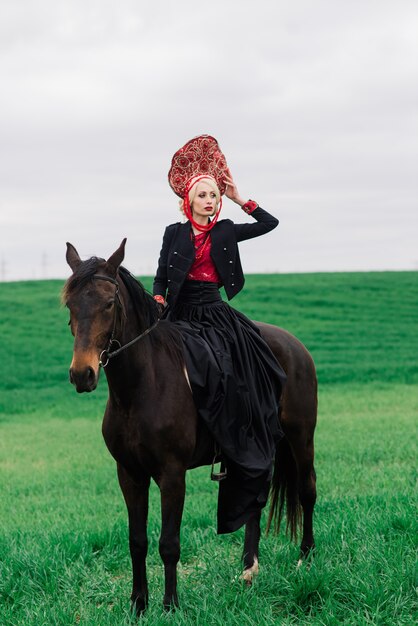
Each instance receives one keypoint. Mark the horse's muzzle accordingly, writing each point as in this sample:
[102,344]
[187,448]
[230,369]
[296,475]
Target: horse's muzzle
[84,380]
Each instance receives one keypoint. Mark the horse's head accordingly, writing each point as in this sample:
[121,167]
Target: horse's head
[91,295]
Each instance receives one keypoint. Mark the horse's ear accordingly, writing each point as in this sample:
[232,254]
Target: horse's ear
[72,256]
[116,259]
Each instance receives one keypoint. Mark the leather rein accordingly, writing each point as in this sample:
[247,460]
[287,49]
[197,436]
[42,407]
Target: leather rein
[105,354]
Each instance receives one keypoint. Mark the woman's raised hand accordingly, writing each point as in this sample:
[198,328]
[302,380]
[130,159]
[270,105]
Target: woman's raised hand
[231,190]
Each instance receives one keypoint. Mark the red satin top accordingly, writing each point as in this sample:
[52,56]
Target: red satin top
[203,267]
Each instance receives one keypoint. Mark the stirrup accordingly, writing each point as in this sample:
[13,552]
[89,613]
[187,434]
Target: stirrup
[223,471]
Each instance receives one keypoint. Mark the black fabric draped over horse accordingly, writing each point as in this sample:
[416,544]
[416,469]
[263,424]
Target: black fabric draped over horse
[151,426]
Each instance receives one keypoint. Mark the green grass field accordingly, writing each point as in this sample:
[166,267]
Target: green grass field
[63,542]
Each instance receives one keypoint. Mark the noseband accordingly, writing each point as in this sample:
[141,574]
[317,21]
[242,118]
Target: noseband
[105,354]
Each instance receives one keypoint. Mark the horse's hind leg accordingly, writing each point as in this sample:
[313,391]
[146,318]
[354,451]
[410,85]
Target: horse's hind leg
[136,498]
[172,486]
[250,555]
[303,450]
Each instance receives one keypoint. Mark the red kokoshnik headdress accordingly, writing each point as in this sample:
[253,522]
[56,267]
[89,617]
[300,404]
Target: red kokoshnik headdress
[199,158]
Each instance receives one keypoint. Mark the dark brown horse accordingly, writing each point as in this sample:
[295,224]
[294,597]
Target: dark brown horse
[151,426]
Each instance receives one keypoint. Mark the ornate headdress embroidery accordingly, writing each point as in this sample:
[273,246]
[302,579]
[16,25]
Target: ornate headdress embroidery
[199,158]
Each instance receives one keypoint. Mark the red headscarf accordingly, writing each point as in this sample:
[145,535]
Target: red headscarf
[204,228]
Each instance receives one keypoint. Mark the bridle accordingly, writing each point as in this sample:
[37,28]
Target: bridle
[105,354]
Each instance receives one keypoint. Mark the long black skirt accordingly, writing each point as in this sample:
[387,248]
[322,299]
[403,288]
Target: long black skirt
[236,383]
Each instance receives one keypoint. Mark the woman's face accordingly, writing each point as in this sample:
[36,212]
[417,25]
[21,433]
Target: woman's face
[204,202]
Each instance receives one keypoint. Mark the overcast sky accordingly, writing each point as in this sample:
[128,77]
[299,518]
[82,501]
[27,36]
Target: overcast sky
[314,104]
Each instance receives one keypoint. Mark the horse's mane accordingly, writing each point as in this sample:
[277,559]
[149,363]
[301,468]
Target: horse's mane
[146,308]
[164,336]
[143,303]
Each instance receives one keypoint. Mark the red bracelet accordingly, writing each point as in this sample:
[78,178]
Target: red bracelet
[159,299]
[249,206]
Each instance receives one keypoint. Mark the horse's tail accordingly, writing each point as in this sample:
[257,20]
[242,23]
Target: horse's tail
[285,489]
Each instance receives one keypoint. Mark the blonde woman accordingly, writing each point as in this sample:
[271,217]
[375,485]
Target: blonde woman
[236,380]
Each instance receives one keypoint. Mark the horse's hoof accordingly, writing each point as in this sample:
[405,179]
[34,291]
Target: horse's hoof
[170,605]
[306,550]
[305,557]
[139,606]
[249,573]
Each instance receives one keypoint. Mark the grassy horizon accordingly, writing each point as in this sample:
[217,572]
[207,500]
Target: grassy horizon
[63,543]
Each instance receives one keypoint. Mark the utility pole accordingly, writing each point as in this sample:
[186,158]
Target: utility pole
[3,269]
[44,265]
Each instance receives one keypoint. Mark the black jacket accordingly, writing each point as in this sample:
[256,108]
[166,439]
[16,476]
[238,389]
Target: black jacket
[177,254]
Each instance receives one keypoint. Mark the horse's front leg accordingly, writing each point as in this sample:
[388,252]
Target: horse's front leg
[250,555]
[136,498]
[172,487]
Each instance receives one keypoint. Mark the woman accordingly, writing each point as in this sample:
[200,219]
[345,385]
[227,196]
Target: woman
[235,379]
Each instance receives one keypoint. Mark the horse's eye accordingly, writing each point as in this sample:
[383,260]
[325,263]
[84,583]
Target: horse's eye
[109,305]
